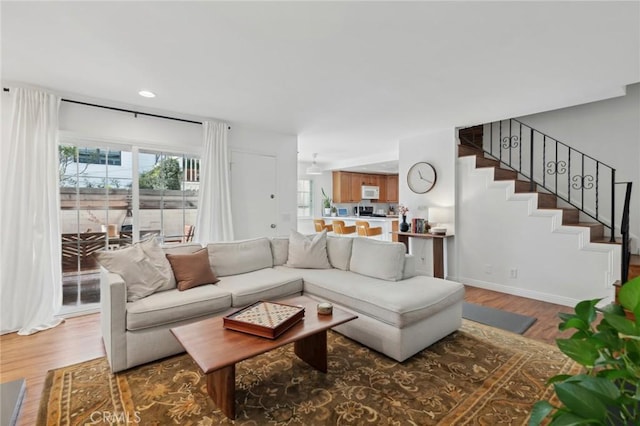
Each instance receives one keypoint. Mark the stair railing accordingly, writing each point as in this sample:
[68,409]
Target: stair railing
[624,229]
[573,176]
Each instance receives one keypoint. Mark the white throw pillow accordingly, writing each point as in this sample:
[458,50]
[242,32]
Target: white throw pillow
[239,257]
[140,275]
[280,250]
[308,252]
[158,258]
[377,259]
[339,252]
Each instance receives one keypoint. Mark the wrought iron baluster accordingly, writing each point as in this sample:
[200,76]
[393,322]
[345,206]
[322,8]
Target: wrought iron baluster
[613,205]
[520,150]
[569,178]
[597,186]
[544,159]
[531,183]
[500,140]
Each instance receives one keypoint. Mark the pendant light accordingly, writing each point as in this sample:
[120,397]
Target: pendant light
[314,169]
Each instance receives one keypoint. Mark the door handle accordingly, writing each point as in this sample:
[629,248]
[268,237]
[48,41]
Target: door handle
[273,226]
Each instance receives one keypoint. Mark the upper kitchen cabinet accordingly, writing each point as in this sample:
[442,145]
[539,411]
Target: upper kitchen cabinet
[342,187]
[392,188]
[347,186]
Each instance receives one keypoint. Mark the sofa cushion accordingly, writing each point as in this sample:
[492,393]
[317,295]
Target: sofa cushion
[184,248]
[280,250]
[396,303]
[166,307]
[138,271]
[377,259]
[238,257]
[339,252]
[156,255]
[308,251]
[192,270]
[265,284]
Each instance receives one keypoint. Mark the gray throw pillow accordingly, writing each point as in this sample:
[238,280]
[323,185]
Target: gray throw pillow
[308,252]
[138,271]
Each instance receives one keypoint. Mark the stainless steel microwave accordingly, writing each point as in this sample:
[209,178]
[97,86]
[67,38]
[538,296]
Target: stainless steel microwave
[370,192]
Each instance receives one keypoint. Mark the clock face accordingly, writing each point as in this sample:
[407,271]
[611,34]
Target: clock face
[421,178]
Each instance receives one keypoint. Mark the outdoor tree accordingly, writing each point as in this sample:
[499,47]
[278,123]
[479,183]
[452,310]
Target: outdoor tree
[166,174]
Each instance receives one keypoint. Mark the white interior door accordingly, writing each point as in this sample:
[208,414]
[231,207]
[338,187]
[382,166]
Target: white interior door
[254,202]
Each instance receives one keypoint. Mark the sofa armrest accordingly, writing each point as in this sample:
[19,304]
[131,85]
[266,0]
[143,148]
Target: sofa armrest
[113,304]
[409,269]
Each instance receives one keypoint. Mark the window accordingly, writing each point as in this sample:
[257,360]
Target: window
[305,199]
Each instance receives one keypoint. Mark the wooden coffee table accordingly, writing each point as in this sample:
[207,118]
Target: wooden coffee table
[216,350]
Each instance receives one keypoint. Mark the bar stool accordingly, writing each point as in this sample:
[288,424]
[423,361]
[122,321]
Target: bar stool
[340,228]
[365,230]
[321,226]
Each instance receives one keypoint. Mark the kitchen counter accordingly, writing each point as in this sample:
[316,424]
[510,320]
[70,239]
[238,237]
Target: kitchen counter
[386,223]
[367,218]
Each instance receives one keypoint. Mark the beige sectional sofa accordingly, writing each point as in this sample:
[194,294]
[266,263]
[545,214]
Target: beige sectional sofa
[399,313]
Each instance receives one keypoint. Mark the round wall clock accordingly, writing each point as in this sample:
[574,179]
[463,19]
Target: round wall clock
[421,178]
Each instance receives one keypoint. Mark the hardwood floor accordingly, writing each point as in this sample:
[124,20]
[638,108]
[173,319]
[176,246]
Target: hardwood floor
[78,339]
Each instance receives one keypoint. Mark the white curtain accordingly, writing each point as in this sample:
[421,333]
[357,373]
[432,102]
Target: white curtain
[214,199]
[30,270]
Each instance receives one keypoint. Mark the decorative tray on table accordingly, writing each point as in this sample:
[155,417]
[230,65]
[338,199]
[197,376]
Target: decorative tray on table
[265,319]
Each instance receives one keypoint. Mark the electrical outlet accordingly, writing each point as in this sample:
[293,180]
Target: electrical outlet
[488,269]
[513,273]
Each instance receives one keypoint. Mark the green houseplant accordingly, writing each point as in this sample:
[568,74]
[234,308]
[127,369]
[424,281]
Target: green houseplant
[326,203]
[608,391]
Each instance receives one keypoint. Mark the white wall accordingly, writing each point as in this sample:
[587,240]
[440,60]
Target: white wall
[498,230]
[438,149]
[607,130]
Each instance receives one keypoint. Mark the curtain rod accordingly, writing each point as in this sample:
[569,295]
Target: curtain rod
[135,113]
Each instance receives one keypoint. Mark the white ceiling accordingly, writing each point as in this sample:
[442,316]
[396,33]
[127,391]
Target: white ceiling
[349,78]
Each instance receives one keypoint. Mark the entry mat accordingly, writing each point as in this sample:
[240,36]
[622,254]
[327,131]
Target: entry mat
[509,321]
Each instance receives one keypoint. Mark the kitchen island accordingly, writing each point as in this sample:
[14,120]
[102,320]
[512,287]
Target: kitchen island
[388,224]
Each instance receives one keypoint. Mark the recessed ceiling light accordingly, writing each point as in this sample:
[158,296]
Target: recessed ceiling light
[147,94]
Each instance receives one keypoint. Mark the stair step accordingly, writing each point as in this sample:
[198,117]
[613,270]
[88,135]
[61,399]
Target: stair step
[504,174]
[525,186]
[596,230]
[570,216]
[486,162]
[606,240]
[547,201]
[465,150]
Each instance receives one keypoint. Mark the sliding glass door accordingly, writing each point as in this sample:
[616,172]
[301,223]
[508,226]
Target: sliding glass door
[95,186]
[103,208]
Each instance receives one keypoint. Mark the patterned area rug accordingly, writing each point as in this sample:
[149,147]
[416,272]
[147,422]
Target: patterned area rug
[477,375]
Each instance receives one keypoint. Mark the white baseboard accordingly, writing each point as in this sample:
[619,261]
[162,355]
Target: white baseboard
[530,294]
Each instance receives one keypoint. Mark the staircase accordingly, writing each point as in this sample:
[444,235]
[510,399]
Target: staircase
[518,146]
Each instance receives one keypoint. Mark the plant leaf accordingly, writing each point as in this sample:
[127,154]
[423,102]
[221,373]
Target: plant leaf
[629,295]
[570,419]
[582,351]
[574,322]
[581,400]
[540,410]
[622,324]
[606,391]
[586,310]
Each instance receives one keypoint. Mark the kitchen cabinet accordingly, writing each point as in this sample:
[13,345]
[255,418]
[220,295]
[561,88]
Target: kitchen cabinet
[391,185]
[347,186]
[342,187]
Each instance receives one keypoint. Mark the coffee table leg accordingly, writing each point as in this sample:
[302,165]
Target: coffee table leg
[313,350]
[221,386]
